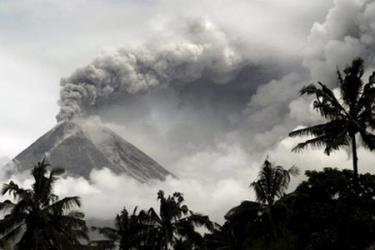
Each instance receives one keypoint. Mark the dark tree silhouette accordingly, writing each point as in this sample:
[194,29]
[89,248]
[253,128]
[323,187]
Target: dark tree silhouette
[226,237]
[325,212]
[271,185]
[38,219]
[272,182]
[174,227]
[130,232]
[348,115]
[176,224]
[257,225]
[329,213]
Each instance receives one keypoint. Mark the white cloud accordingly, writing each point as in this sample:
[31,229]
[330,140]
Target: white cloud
[105,193]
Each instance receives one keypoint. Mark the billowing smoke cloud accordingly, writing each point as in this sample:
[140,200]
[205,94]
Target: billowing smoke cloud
[203,52]
[183,95]
[347,32]
[210,107]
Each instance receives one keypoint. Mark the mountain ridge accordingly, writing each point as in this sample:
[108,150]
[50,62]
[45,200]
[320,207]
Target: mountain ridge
[79,147]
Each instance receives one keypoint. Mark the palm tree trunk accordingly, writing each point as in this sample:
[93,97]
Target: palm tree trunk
[355,159]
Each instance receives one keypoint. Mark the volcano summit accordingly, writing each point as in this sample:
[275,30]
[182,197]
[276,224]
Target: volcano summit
[80,148]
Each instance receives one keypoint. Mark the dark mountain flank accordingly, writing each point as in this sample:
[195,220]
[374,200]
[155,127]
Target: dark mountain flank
[79,148]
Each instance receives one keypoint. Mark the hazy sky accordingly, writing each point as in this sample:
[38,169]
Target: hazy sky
[42,41]
[207,88]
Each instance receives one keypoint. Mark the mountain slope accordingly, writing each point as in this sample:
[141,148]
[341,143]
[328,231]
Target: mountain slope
[80,148]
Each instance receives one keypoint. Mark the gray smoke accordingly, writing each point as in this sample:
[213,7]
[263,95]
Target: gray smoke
[204,52]
[209,104]
[185,93]
[347,32]
[202,86]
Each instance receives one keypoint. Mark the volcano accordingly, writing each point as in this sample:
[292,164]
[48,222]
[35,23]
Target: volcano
[80,147]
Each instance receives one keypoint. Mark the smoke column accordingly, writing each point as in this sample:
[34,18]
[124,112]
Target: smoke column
[203,52]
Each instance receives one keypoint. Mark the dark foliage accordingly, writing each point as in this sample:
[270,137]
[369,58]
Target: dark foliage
[350,115]
[175,225]
[130,232]
[257,225]
[272,182]
[38,219]
[328,212]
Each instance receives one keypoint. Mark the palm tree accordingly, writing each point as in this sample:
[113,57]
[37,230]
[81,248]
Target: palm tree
[347,116]
[130,231]
[272,182]
[257,225]
[176,224]
[271,185]
[37,219]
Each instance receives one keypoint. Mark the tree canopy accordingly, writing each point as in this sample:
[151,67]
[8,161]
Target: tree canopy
[36,219]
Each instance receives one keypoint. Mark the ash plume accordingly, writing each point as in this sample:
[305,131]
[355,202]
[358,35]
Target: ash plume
[211,106]
[347,32]
[202,52]
[203,85]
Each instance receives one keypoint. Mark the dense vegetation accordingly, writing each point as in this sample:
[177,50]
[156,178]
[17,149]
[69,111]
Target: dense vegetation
[38,219]
[331,209]
[325,212]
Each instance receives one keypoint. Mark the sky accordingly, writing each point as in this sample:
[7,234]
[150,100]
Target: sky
[207,88]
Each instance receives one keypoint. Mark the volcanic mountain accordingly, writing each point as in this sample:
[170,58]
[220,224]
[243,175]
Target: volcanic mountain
[80,148]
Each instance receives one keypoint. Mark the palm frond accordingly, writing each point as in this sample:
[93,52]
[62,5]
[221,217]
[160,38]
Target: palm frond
[351,84]
[337,140]
[46,222]
[260,191]
[247,209]
[319,129]
[153,216]
[200,220]
[57,171]
[76,214]
[325,101]
[65,204]
[13,189]
[11,236]
[272,182]
[314,130]
[9,222]
[6,205]
[368,139]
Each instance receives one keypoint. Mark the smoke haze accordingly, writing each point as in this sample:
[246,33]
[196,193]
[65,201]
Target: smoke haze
[209,95]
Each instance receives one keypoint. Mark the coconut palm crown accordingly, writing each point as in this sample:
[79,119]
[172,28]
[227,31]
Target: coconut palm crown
[175,223]
[130,231]
[347,116]
[272,182]
[36,219]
